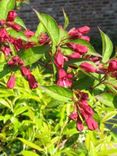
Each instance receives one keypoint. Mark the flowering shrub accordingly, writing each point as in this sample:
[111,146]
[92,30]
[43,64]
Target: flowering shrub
[57,94]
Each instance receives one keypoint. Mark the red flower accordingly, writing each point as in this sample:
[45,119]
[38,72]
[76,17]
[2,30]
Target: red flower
[88,67]
[11,16]
[91,123]
[43,38]
[78,48]
[15,26]
[25,71]
[32,81]
[74,55]
[6,50]
[84,29]
[74,33]
[64,79]
[15,61]
[11,82]
[112,66]
[18,43]
[29,45]
[3,35]
[79,32]
[73,116]
[79,125]
[59,59]
[86,38]
[29,33]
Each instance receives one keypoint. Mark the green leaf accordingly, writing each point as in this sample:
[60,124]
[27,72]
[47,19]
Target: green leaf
[107,99]
[5,7]
[32,55]
[40,29]
[58,93]
[50,25]
[16,34]
[66,18]
[107,47]
[29,153]
[19,21]
[91,50]
[109,116]
[30,144]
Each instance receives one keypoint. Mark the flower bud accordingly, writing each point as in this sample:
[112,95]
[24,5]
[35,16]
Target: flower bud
[11,82]
[88,67]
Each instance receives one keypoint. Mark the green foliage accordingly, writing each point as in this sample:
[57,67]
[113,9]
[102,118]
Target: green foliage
[36,122]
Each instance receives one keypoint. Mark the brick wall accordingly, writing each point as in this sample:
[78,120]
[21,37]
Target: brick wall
[102,13]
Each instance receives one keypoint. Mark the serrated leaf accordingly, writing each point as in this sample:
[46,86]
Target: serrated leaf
[59,93]
[40,29]
[107,47]
[5,7]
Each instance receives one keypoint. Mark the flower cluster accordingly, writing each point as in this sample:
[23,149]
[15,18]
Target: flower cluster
[18,44]
[83,113]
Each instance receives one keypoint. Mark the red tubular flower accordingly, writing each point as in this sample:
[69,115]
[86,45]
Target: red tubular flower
[112,66]
[86,38]
[18,43]
[11,82]
[32,81]
[91,123]
[59,59]
[3,35]
[78,48]
[29,45]
[15,26]
[74,33]
[64,79]
[43,38]
[11,16]
[88,67]
[6,50]
[15,61]
[74,55]
[79,125]
[73,116]
[25,71]
[84,29]
[28,33]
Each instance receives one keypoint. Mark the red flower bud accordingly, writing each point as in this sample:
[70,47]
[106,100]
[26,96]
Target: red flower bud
[112,66]
[15,26]
[74,55]
[11,16]
[84,29]
[73,116]
[59,59]
[11,82]
[88,67]
[78,48]
[79,125]
[32,81]
[6,50]
[29,33]
[91,123]
[25,71]
[43,38]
